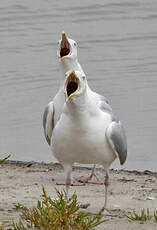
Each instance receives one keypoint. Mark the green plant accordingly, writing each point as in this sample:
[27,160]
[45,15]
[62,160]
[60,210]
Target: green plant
[142,216]
[4,159]
[59,214]
[1,226]
[18,207]
[155,215]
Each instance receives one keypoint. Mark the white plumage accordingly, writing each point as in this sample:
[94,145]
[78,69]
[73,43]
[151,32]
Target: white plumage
[67,56]
[80,126]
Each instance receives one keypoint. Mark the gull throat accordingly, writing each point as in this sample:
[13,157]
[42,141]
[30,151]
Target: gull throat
[65,47]
[72,85]
[64,51]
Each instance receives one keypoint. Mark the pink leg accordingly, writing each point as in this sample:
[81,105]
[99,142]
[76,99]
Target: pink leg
[69,181]
[92,179]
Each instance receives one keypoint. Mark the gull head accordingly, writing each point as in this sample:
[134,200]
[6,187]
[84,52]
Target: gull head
[67,48]
[75,85]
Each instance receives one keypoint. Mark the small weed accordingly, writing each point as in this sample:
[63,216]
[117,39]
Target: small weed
[18,207]
[4,159]
[155,215]
[142,216]
[1,226]
[59,214]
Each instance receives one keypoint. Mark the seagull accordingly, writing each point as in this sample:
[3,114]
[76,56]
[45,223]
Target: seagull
[87,132]
[67,55]
[66,50]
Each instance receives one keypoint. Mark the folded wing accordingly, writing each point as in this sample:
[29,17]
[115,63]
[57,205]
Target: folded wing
[48,121]
[116,137]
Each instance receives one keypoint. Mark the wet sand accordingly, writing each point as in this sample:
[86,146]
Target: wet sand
[22,183]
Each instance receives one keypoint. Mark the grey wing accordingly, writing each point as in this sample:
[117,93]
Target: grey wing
[117,139]
[48,121]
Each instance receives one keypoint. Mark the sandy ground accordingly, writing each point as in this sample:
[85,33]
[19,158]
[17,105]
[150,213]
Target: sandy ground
[22,183]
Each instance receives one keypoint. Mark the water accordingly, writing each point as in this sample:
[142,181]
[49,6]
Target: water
[117,50]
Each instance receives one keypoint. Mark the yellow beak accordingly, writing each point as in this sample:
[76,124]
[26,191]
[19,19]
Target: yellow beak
[63,58]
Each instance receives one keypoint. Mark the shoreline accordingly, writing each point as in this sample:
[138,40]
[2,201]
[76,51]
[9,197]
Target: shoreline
[21,182]
[30,163]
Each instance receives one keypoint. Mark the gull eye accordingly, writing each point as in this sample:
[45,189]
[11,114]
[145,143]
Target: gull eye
[75,44]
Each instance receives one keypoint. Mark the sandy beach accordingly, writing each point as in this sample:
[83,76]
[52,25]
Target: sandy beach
[129,190]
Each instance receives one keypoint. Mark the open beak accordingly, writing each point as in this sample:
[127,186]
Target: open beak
[65,47]
[72,85]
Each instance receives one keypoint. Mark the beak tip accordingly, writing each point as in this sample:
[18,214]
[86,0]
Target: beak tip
[64,36]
